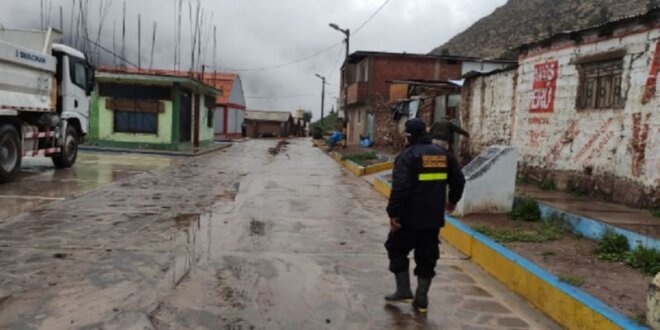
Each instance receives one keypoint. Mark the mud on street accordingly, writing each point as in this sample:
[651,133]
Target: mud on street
[245,238]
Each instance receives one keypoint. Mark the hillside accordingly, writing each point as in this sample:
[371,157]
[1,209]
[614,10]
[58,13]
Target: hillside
[521,21]
[329,122]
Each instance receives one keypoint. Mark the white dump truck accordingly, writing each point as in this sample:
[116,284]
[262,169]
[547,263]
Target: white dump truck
[44,99]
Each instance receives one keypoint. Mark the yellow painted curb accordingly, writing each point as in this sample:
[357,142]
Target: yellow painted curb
[539,290]
[354,168]
[378,168]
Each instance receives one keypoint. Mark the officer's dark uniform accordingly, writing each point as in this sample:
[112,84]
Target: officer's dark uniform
[421,175]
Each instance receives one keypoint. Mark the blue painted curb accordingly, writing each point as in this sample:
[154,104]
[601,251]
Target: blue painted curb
[579,295]
[594,229]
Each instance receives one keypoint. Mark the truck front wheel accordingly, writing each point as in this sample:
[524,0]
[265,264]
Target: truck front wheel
[10,152]
[69,152]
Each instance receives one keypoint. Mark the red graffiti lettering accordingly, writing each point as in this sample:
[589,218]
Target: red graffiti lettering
[587,146]
[651,82]
[535,138]
[539,121]
[568,135]
[544,87]
[599,148]
[638,143]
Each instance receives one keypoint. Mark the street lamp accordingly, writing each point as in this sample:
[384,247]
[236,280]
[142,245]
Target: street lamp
[347,33]
[322,96]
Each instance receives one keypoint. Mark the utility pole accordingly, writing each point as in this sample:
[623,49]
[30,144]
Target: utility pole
[347,33]
[322,96]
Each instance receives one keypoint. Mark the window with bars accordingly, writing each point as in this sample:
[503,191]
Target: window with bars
[600,85]
[136,122]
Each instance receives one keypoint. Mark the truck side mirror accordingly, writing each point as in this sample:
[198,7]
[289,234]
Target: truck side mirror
[91,79]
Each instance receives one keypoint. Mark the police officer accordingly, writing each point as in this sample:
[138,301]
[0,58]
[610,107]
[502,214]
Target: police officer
[416,209]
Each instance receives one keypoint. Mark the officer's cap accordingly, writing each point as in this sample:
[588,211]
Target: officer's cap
[415,127]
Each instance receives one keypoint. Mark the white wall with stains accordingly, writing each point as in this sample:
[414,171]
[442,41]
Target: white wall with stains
[622,142]
[490,110]
[548,129]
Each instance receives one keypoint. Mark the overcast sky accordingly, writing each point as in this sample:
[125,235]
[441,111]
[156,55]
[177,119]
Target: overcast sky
[257,34]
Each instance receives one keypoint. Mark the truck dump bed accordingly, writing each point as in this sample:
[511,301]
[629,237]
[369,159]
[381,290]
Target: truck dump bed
[27,71]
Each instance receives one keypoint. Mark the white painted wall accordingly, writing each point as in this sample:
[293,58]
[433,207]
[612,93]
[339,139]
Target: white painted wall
[610,141]
[602,139]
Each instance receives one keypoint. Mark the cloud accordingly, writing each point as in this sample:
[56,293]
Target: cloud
[254,34]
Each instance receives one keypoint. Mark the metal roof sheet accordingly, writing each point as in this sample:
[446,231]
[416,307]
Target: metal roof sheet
[258,115]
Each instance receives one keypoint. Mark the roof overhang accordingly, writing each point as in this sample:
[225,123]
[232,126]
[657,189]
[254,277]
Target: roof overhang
[162,80]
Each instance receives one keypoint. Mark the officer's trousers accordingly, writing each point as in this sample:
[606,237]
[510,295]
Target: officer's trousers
[426,246]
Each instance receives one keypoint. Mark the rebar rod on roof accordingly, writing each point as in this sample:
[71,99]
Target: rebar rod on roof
[153,46]
[139,41]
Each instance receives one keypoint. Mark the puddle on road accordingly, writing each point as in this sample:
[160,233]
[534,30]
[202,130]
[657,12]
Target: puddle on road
[38,182]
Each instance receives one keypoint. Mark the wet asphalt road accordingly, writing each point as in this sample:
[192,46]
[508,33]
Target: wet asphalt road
[301,247]
[39,182]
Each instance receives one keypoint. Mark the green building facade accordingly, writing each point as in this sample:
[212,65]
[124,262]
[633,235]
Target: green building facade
[144,111]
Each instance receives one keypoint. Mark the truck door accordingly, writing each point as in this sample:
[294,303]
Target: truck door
[77,83]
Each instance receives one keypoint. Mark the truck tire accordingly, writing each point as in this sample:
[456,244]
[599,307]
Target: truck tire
[10,153]
[69,153]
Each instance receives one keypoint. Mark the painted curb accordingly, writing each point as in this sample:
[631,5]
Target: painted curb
[567,305]
[359,170]
[594,229]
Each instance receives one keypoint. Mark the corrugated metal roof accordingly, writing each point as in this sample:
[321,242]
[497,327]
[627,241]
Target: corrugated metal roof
[258,115]
[621,20]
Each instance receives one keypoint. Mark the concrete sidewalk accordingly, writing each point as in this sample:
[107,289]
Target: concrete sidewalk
[636,220]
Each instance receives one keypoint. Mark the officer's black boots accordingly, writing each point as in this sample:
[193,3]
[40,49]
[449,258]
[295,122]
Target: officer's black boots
[421,302]
[403,293]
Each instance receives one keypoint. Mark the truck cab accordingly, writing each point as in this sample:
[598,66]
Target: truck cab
[45,90]
[75,81]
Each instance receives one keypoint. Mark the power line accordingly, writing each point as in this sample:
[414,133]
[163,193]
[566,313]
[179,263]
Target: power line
[121,58]
[334,68]
[303,59]
[280,96]
[287,63]
[371,17]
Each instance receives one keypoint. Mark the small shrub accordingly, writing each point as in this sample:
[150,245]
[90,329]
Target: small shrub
[572,280]
[547,185]
[547,254]
[612,246]
[526,209]
[645,259]
[362,159]
[639,318]
[656,213]
[317,132]
[522,180]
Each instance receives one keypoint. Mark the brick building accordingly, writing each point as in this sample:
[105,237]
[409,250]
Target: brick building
[268,123]
[367,75]
[427,100]
[582,109]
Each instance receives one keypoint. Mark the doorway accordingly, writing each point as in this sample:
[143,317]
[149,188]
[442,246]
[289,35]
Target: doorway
[185,117]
